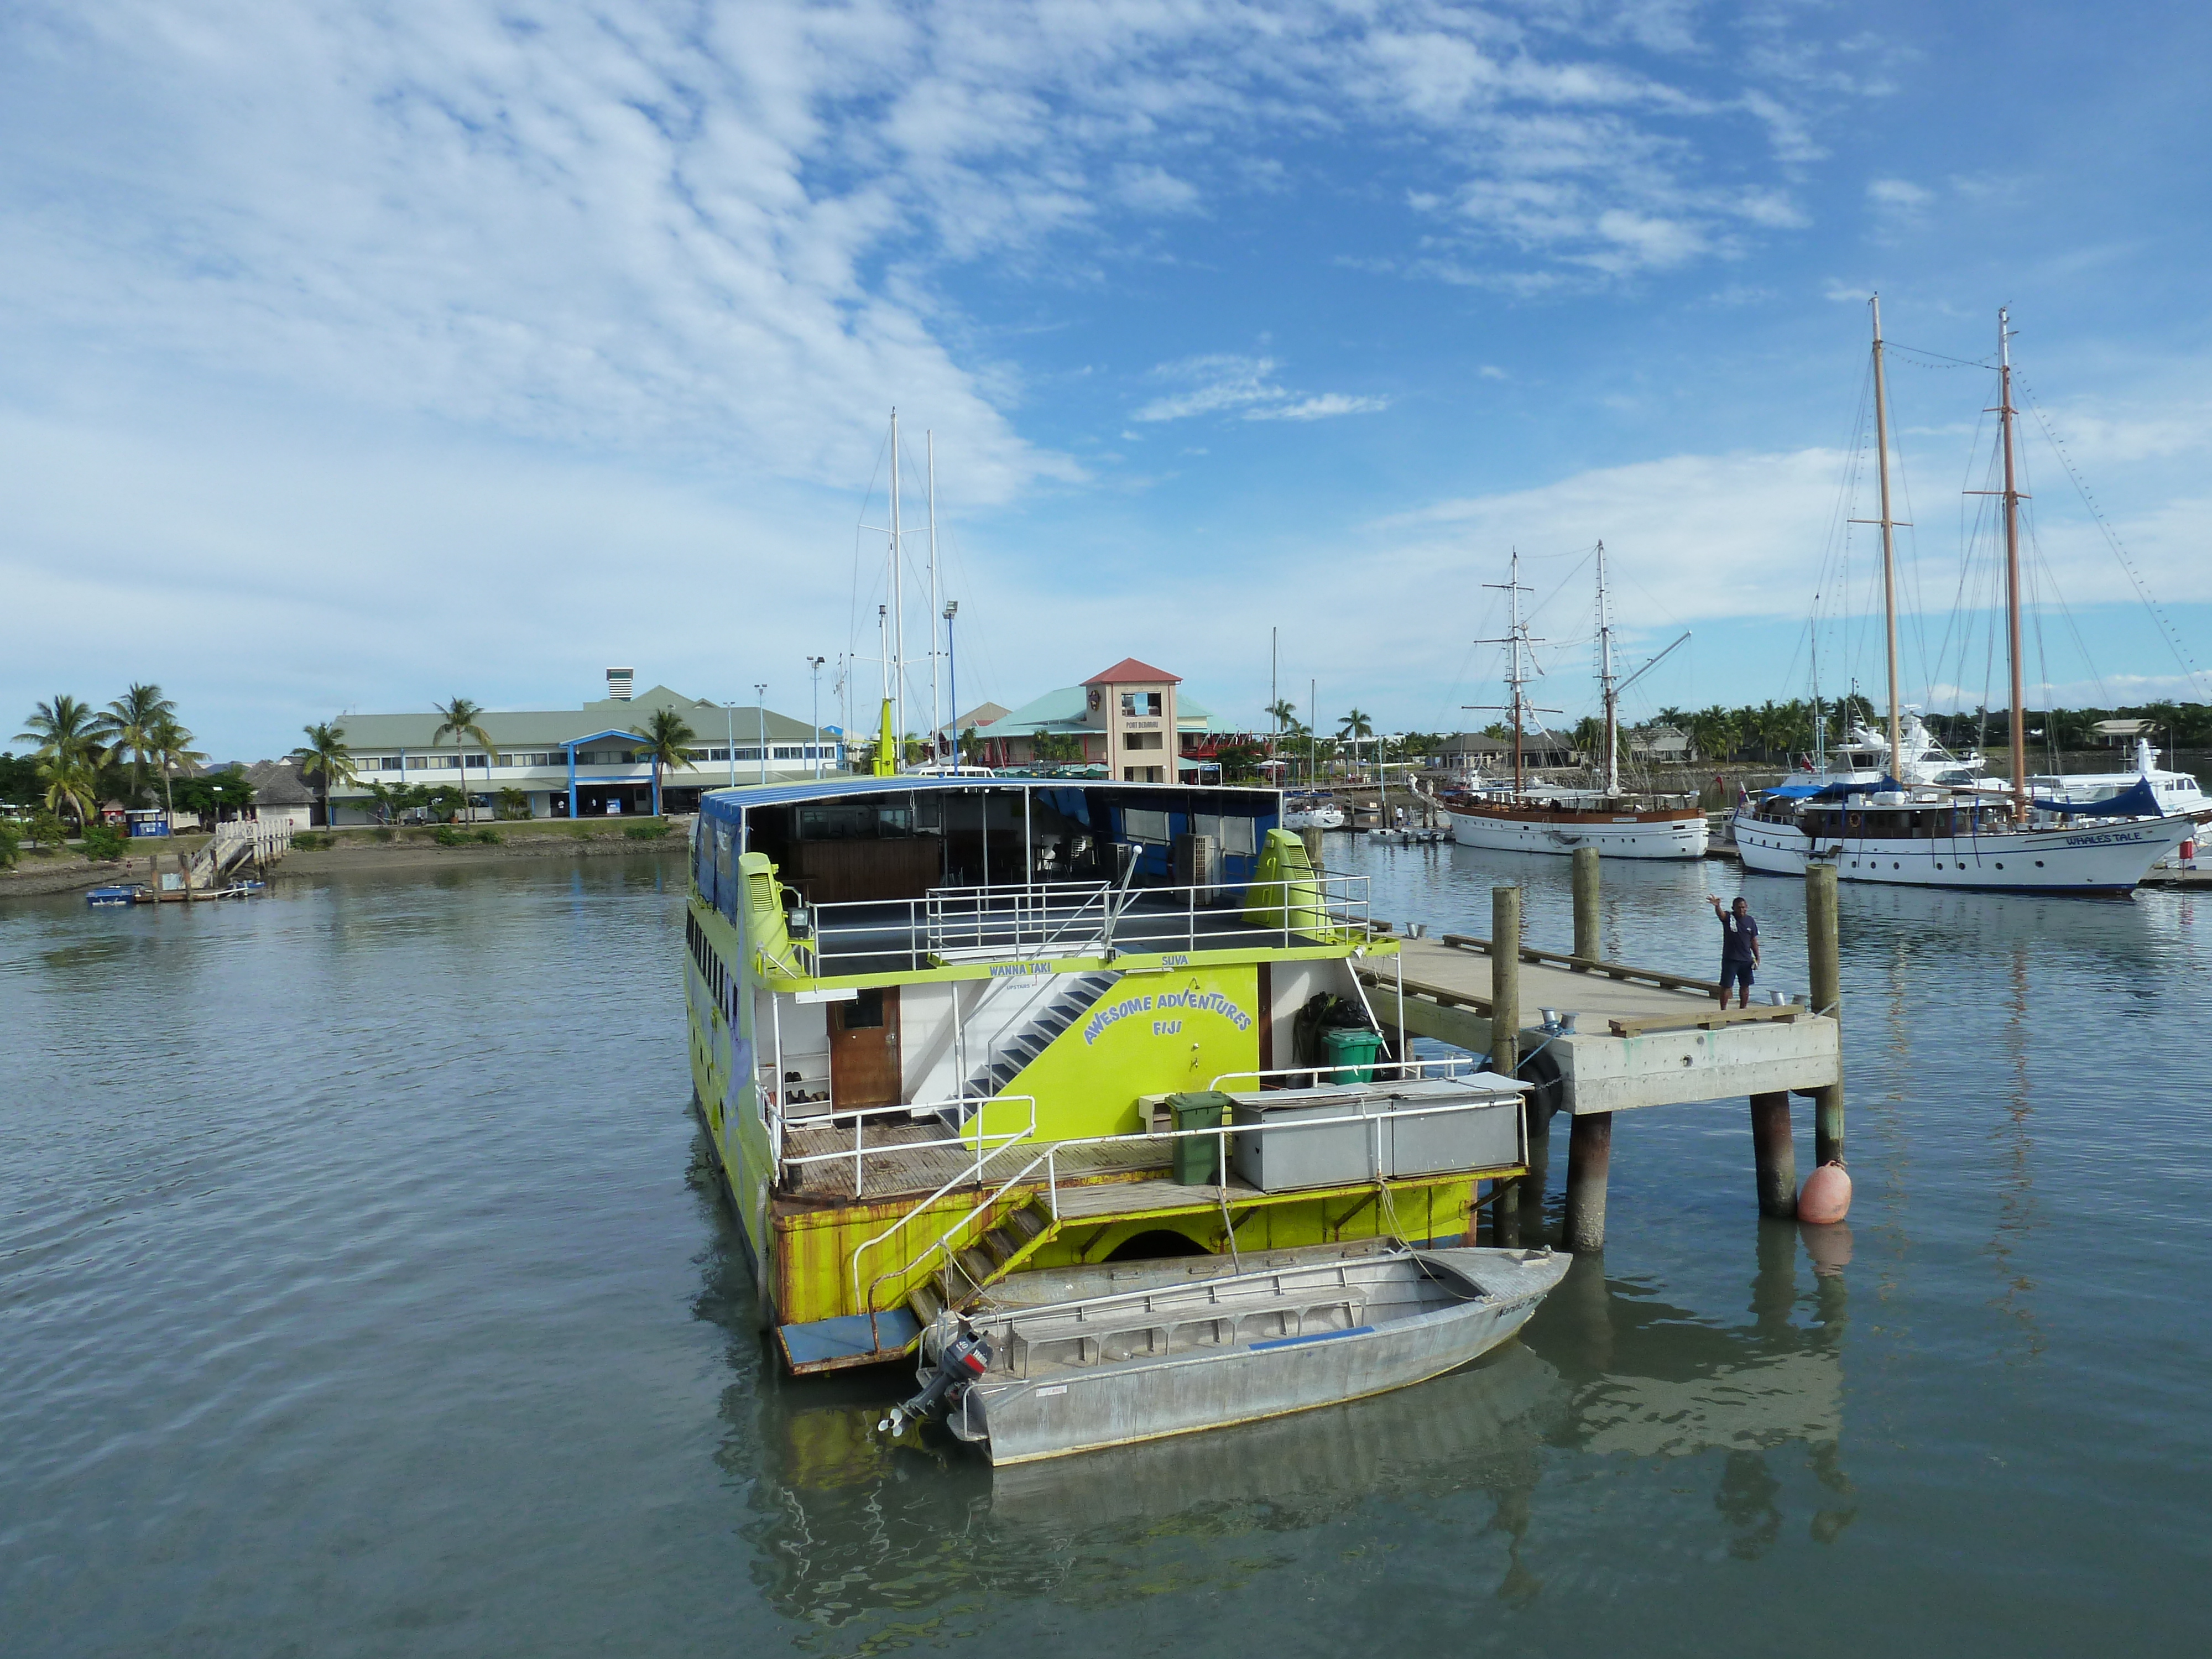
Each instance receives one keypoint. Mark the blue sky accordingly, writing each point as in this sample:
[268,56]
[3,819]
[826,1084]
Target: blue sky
[353,356]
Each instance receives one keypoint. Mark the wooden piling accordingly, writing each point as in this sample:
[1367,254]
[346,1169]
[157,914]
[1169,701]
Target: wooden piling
[1586,890]
[1505,1027]
[1504,980]
[1823,953]
[1775,1155]
[1312,839]
[1590,1161]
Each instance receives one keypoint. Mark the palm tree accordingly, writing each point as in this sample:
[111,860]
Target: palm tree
[130,723]
[173,750]
[69,751]
[326,754]
[73,783]
[667,741]
[464,720]
[1356,725]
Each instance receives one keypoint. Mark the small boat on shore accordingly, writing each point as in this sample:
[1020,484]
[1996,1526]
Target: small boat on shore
[1311,812]
[1175,1352]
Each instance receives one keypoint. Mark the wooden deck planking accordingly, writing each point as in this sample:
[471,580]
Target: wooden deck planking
[1459,974]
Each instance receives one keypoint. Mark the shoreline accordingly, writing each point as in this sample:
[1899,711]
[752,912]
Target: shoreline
[39,877]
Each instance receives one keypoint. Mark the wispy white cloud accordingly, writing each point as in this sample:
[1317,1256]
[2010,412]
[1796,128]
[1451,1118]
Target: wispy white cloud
[1319,408]
[1220,383]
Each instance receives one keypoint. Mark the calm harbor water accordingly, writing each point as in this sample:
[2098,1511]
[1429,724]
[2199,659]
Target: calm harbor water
[363,1291]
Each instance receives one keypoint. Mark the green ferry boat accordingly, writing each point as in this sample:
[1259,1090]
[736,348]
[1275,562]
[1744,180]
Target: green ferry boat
[946,1030]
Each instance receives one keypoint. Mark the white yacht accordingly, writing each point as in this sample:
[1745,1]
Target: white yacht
[2175,792]
[1311,812]
[1956,830]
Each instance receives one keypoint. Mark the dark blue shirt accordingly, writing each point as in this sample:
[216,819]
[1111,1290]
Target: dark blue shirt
[1739,937]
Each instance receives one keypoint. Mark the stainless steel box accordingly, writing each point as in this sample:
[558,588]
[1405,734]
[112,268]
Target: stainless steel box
[1484,1134]
[1485,1137]
[1329,1155]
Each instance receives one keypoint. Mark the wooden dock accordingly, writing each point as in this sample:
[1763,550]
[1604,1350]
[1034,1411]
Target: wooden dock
[1598,1036]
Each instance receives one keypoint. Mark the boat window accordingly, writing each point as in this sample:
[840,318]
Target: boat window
[1139,825]
[864,1012]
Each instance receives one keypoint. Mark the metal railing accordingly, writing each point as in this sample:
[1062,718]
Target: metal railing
[1043,921]
[861,1152]
[910,1272]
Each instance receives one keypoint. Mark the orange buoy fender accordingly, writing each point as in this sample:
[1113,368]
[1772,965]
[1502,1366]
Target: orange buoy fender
[1826,1197]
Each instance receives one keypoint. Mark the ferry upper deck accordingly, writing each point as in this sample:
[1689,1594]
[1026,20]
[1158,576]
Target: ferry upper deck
[921,874]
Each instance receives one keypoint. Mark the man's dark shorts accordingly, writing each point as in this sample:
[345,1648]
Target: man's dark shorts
[1735,973]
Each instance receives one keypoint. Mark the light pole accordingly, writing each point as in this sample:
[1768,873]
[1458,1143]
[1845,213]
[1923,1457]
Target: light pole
[953,680]
[759,707]
[815,662]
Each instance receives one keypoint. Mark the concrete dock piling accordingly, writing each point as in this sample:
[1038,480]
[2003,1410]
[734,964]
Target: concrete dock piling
[1586,892]
[1775,1155]
[1590,1161]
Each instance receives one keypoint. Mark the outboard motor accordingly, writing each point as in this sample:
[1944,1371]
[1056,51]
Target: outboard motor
[963,1358]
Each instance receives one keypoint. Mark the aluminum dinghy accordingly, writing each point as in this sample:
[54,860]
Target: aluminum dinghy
[1191,1354]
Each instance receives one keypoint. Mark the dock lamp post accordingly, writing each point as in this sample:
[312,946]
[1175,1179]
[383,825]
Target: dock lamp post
[815,662]
[953,680]
[759,707]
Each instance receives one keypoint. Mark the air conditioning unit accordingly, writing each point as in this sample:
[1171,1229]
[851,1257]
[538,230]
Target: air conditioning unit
[620,681]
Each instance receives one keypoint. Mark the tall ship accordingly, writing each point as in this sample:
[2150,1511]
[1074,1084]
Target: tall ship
[1546,817]
[1953,829]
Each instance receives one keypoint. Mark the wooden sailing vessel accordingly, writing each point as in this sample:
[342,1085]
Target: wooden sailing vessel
[1549,819]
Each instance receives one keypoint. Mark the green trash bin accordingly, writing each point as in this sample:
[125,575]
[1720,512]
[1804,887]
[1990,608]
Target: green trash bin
[1352,1051]
[1198,1158]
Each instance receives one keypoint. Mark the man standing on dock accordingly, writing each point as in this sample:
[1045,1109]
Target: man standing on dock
[1739,949]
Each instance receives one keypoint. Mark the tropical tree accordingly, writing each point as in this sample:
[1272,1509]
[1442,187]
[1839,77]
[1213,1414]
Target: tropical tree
[325,755]
[70,752]
[393,799]
[211,793]
[1057,748]
[667,741]
[74,784]
[173,753]
[1355,725]
[130,725]
[464,720]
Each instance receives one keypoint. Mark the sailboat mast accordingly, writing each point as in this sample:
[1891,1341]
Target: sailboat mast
[936,716]
[1605,680]
[1513,636]
[2012,498]
[1888,537]
[898,610]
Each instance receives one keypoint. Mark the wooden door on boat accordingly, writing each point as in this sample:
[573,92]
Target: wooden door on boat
[864,1049]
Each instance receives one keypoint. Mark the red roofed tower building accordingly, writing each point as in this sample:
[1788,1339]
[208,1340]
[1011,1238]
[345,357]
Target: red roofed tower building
[1134,705]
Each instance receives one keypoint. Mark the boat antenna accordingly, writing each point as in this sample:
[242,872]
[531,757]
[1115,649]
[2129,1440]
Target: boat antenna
[936,714]
[898,610]
[1889,537]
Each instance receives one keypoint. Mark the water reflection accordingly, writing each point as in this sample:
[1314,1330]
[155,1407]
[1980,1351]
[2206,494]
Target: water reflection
[849,1526]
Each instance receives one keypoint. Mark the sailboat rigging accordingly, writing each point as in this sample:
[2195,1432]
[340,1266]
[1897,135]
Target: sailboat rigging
[1920,823]
[1561,820]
